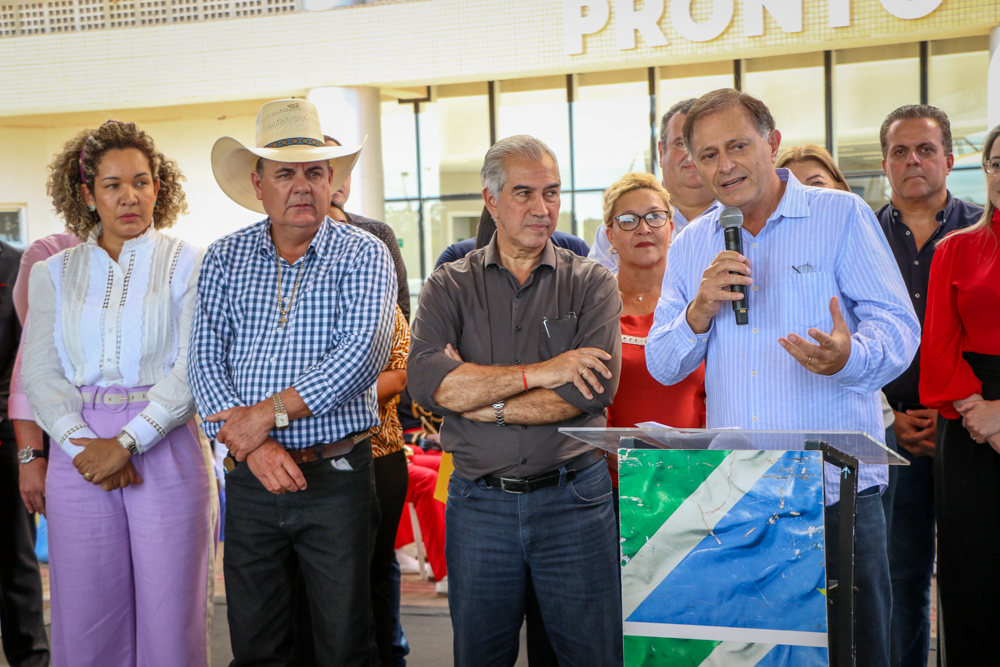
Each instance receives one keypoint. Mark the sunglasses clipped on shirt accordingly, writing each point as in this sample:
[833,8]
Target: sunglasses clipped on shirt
[630,221]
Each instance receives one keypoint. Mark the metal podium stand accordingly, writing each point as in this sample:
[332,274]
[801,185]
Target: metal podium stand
[843,449]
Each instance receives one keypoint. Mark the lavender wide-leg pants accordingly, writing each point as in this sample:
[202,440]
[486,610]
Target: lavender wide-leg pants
[133,571]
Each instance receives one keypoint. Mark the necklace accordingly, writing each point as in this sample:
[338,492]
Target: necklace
[284,311]
[639,297]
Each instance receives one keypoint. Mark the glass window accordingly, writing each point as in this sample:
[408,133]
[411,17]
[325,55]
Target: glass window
[454,137]
[590,212]
[610,126]
[873,188]
[794,94]
[399,150]
[969,183]
[404,220]
[682,82]
[13,225]
[869,83]
[957,84]
[447,222]
[538,107]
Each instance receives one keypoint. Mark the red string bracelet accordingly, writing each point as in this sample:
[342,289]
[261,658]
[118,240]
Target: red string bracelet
[524,377]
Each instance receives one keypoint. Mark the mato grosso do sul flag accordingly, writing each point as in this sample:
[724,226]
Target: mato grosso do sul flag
[723,558]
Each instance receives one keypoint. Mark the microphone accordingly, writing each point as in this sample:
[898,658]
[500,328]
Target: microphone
[732,221]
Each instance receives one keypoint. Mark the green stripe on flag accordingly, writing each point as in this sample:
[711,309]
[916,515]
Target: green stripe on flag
[652,490]
[656,651]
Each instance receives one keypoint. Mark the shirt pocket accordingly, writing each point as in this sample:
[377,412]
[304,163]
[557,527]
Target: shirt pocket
[557,336]
[807,303]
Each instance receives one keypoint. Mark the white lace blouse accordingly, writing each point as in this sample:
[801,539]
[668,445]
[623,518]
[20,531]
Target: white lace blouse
[98,322]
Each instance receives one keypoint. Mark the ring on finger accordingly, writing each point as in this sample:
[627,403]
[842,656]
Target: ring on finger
[809,361]
[583,372]
[88,476]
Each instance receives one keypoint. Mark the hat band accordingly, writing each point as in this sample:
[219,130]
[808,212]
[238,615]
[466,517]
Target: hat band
[296,141]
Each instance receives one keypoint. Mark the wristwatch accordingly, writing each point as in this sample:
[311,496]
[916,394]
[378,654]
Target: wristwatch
[280,414]
[29,454]
[498,411]
[128,442]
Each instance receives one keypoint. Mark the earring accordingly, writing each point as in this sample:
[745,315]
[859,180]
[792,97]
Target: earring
[90,207]
[155,203]
[614,251]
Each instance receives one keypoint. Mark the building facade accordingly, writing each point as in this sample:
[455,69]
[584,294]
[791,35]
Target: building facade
[431,83]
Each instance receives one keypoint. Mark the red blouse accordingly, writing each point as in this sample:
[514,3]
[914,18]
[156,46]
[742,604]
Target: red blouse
[641,398]
[963,315]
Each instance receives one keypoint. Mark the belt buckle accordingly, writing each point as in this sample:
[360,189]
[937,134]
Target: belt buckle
[112,405]
[505,480]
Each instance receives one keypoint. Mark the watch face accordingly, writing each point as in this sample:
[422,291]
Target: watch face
[26,455]
[281,419]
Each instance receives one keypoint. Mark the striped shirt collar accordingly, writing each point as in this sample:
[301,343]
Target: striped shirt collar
[794,203]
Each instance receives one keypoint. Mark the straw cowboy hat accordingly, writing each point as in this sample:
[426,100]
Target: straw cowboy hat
[287,131]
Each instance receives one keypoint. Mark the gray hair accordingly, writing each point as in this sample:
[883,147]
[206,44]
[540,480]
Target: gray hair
[523,146]
[681,107]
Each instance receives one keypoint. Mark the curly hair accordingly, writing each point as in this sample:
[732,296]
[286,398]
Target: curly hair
[66,174]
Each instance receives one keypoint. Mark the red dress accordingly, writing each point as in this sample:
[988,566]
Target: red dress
[641,398]
[963,315]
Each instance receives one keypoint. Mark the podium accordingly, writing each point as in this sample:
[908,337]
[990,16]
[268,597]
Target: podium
[723,542]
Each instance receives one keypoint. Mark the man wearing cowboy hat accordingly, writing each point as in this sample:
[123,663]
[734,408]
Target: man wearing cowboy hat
[293,325]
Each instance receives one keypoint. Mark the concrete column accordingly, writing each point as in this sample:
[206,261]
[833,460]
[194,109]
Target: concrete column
[993,81]
[348,115]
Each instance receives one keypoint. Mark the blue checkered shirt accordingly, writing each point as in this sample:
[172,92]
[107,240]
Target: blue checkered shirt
[332,349]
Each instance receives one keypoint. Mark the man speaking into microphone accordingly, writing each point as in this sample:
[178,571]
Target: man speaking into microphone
[829,322]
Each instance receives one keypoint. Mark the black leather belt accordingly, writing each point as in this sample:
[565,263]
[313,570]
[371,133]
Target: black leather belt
[545,480]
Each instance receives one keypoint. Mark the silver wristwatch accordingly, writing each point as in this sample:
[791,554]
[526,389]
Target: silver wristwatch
[128,442]
[29,454]
[498,411]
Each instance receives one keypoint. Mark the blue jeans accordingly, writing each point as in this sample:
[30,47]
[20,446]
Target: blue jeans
[565,539]
[911,561]
[873,599]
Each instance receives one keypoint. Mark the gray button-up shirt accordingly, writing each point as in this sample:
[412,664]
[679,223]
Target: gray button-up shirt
[477,305]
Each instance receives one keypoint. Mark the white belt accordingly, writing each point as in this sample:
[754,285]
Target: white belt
[117,399]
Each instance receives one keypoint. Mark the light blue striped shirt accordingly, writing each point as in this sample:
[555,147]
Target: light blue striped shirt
[750,381]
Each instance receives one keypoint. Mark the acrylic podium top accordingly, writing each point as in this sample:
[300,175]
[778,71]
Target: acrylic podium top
[857,444]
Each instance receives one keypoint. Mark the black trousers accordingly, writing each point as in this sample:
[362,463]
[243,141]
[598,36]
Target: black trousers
[325,535]
[967,493]
[391,482]
[21,619]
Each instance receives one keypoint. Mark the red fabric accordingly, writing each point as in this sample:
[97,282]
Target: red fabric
[430,514]
[963,315]
[641,398]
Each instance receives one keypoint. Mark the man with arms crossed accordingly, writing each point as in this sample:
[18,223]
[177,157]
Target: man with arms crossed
[815,263]
[916,158]
[538,329]
[292,328]
[688,195]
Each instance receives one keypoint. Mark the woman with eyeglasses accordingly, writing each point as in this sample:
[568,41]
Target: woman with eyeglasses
[960,376]
[638,219]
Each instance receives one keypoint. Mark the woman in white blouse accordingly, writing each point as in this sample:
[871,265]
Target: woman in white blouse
[129,494]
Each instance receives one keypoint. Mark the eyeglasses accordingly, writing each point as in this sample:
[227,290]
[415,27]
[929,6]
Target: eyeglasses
[630,221]
[992,167]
